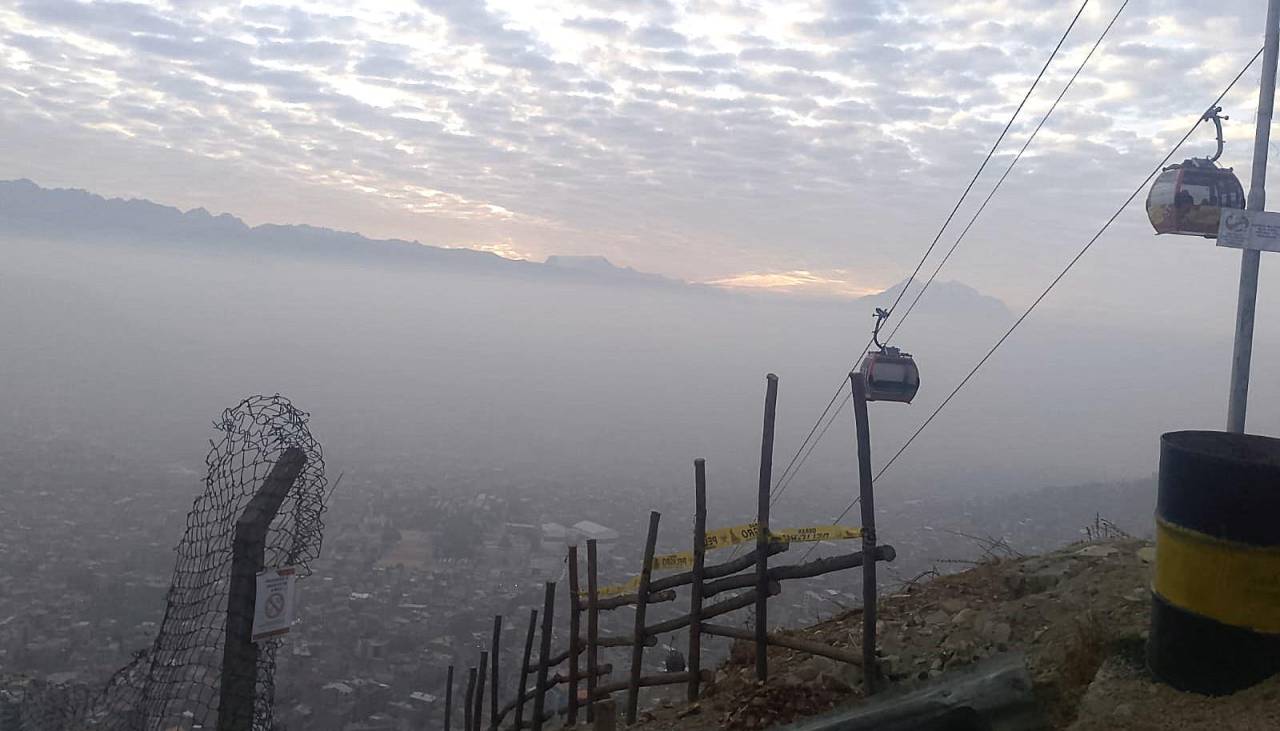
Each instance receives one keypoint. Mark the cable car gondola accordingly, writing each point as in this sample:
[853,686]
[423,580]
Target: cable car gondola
[1188,198]
[889,373]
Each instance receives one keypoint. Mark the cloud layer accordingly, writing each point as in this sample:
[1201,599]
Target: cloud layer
[745,142]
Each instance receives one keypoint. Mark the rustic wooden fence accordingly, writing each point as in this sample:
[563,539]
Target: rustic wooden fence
[751,575]
[551,669]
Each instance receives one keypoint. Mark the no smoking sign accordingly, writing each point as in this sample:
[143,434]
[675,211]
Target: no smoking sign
[274,605]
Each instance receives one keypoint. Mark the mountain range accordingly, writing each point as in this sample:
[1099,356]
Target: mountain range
[28,210]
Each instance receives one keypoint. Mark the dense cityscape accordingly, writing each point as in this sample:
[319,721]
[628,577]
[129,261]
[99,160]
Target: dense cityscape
[410,576]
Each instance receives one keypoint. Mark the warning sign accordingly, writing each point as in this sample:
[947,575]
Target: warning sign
[273,609]
[1249,229]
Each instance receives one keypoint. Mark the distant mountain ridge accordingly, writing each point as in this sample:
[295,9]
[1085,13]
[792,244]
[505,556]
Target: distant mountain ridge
[27,209]
[949,292]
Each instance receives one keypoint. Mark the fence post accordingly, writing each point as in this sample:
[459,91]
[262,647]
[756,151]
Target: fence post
[478,716]
[866,496]
[695,588]
[467,715]
[524,668]
[574,646]
[593,628]
[762,529]
[239,680]
[493,679]
[642,599]
[544,654]
[448,699]
[607,718]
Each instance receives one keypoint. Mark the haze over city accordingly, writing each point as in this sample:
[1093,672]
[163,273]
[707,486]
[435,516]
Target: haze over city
[523,261]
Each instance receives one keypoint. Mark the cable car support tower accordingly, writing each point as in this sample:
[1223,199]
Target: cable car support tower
[1242,352]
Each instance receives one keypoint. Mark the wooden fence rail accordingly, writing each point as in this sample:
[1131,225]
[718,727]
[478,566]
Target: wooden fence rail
[808,570]
[793,643]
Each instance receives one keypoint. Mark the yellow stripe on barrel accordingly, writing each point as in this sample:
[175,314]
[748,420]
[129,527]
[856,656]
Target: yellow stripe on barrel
[1232,583]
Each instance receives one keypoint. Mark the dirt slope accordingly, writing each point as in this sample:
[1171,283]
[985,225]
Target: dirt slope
[1079,613]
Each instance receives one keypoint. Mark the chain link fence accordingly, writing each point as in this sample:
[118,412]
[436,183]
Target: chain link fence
[174,685]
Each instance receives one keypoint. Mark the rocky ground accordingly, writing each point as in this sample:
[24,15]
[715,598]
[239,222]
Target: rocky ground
[1079,614]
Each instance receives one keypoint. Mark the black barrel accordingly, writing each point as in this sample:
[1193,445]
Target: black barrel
[1215,615]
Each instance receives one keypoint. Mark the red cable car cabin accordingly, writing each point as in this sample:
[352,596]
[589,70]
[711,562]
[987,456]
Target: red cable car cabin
[890,375]
[1188,198]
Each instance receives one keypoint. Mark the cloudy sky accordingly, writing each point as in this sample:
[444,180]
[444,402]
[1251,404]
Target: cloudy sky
[815,143]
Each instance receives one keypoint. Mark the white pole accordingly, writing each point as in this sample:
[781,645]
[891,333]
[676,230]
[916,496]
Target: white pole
[1241,355]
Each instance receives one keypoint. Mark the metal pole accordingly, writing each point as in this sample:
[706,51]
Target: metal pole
[1242,353]
[239,680]
[762,529]
[867,498]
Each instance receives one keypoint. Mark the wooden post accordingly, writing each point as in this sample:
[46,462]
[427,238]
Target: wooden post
[477,719]
[575,608]
[493,678]
[642,598]
[695,588]
[467,715]
[523,673]
[866,496]
[448,699]
[593,628]
[238,687]
[544,654]
[606,716]
[762,529]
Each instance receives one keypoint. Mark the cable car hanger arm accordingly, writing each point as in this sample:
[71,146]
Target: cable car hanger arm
[881,315]
[1212,114]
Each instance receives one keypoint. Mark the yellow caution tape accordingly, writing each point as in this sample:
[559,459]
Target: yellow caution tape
[815,533]
[732,536]
[673,561]
[604,592]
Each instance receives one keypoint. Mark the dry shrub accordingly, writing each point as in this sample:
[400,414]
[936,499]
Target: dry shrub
[1086,649]
[742,652]
[1104,530]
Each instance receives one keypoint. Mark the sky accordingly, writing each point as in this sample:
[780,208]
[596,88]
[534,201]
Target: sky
[810,146]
